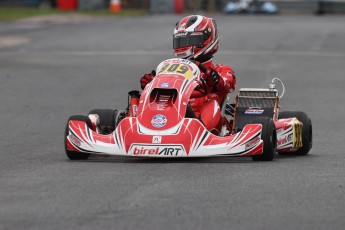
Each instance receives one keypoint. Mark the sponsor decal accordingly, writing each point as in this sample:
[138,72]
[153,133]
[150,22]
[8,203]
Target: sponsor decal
[282,141]
[135,110]
[157,150]
[254,111]
[289,138]
[252,143]
[186,61]
[182,34]
[159,121]
[285,139]
[181,54]
[157,139]
[165,85]
[74,140]
[161,107]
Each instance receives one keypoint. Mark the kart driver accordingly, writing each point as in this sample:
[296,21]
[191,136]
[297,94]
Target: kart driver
[196,38]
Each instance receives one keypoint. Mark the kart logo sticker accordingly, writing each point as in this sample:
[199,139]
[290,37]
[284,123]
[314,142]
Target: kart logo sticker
[165,85]
[157,139]
[159,121]
[157,150]
[254,111]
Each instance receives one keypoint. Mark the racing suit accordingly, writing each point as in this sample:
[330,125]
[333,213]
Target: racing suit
[207,106]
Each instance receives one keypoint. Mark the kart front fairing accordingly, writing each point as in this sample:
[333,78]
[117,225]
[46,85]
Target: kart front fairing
[161,128]
[167,95]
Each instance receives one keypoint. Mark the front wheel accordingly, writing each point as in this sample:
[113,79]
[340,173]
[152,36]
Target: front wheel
[74,155]
[108,118]
[269,137]
[307,130]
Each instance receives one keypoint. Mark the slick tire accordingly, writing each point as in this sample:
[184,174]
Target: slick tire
[307,131]
[72,155]
[269,137]
[106,119]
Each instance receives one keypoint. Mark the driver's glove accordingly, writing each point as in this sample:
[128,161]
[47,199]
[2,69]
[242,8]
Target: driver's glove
[212,79]
[214,75]
[147,78]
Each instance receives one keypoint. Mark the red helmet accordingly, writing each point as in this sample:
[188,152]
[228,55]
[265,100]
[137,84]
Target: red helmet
[195,37]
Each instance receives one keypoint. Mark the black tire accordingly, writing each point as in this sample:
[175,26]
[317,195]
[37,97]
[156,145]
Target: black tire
[307,131]
[269,137]
[106,119]
[72,155]
[106,116]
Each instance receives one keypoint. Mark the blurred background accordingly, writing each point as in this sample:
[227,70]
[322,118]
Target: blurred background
[180,6]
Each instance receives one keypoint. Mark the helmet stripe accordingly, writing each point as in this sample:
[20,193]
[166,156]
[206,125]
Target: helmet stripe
[206,49]
[194,25]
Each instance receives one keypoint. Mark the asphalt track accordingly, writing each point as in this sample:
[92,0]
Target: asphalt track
[70,69]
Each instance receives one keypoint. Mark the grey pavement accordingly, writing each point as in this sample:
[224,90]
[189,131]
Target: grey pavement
[70,69]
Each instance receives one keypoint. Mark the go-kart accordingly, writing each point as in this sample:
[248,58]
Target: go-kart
[161,123]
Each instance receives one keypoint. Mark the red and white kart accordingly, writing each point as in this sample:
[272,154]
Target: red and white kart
[160,123]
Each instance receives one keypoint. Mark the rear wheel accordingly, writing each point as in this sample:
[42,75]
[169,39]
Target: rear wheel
[269,137]
[72,155]
[307,131]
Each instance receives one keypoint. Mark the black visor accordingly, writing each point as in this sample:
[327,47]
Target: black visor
[190,39]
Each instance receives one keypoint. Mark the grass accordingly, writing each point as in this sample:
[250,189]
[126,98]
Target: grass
[10,14]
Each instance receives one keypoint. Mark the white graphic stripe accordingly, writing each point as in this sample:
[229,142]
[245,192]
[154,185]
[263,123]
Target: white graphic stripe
[192,27]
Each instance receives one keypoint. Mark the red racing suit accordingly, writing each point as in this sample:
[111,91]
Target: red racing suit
[207,107]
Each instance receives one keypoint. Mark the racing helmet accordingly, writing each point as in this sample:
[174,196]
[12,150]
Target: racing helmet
[195,37]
